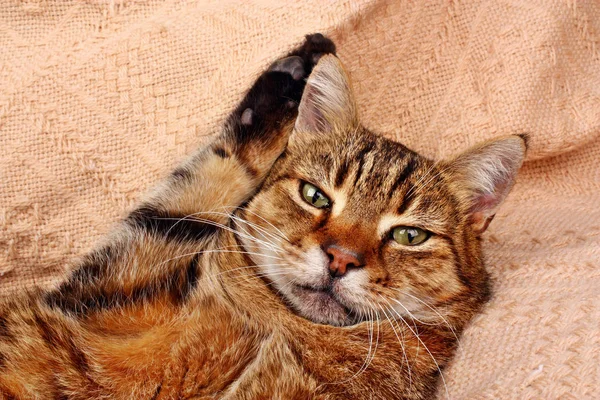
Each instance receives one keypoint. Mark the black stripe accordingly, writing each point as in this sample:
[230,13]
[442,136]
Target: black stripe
[409,168]
[157,391]
[5,333]
[181,173]
[80,292]
[360,158]
[250,170]
[65,341]
[94,299]
[406,202]
[184,281]
[458,268]
[172,226]
[84,292]
[221,152]
[340,176]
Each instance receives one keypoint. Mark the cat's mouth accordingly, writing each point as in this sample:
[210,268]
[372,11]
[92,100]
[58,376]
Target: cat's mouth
[322,305]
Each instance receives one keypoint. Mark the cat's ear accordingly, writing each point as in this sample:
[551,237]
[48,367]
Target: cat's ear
[483,176]
[328,101]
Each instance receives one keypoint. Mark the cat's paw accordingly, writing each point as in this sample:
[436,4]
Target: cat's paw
[273,99]
[276,93]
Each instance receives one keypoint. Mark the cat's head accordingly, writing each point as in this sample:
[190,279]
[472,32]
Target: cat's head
[352,226]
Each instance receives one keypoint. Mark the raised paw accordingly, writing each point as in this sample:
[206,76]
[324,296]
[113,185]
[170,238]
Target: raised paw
[272,102]
[276,94]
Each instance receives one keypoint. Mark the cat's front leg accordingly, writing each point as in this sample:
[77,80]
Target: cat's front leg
[227,173]
[155,250]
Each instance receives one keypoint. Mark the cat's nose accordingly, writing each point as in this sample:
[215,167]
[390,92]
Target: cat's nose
[341,260]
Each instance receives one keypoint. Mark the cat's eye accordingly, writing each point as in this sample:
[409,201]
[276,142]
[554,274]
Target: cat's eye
[314,196]
[409,236]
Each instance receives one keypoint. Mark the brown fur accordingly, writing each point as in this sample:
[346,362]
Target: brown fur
[175,304]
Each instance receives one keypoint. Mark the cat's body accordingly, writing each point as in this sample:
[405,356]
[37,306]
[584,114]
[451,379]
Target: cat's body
[182,301]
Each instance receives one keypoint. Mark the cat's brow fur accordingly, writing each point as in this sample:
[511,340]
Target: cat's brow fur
[172,305]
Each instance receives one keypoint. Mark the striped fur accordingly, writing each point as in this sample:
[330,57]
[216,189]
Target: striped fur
[188,298]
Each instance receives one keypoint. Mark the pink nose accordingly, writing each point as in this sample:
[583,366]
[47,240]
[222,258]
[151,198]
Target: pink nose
[341,260]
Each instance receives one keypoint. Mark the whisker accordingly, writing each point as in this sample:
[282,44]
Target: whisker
[229,229]
[416,335]
[438,173]
[283,235]
[370,330]
[435,311]
[257,227]
[290,283]
[425,175]
[246,267]
[414,317]
[193,217]
[401,343]
[215,251]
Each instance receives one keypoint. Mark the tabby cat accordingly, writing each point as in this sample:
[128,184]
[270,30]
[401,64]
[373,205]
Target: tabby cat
[297,256]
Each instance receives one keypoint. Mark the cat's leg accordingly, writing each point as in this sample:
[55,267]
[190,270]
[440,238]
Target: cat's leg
[224,175]
[158,248]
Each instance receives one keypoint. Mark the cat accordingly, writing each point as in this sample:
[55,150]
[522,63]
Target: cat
[296,256]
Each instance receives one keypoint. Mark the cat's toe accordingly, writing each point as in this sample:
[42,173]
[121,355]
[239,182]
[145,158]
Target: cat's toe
[318,43]
[291,65]
[313,48]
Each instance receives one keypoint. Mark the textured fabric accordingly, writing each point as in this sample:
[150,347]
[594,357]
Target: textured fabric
[100,99]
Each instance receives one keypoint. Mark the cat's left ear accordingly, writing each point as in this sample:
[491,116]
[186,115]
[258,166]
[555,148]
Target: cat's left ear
[484,175]
[327,103]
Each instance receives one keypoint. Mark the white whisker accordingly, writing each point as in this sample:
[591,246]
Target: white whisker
[416,335]
[262,218]
[434,310]
[401,343]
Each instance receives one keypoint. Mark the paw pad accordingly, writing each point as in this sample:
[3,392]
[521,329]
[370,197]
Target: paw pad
[247,116]
[290,65]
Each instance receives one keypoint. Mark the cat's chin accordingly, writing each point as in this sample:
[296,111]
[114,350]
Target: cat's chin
[320,306]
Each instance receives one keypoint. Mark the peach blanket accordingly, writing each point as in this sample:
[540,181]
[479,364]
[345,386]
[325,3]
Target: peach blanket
[100,99]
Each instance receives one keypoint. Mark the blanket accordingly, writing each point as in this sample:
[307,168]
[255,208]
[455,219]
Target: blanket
[100,99]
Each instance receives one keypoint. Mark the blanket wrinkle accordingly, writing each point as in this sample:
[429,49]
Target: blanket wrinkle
[99,99]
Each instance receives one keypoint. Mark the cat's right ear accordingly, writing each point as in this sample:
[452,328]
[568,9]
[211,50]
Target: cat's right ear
[484,175]
[327,103]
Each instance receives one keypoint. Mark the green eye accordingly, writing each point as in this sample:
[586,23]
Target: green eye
[314,196]
[409,236]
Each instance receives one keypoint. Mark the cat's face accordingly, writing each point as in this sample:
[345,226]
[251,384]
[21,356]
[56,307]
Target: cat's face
[351,226]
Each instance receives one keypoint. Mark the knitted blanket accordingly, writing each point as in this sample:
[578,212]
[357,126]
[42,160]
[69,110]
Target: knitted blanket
[101,99]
